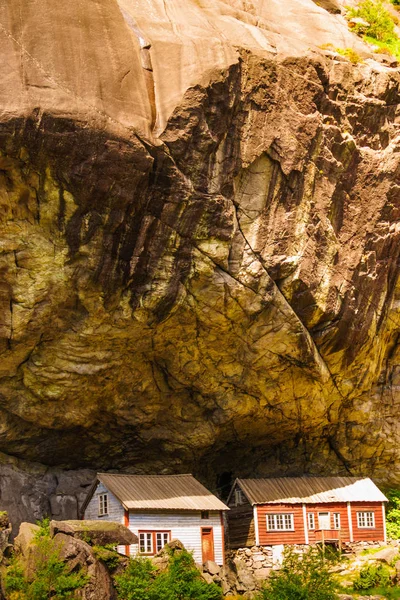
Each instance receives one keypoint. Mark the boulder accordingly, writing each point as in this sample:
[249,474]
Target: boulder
[262,574]
[386,555]
[98,533]
[211,567]
[79,556]
[332,6]
[25,537]
[207,577]
[161,560]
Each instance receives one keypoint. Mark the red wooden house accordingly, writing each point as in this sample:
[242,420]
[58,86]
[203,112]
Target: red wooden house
[305,510]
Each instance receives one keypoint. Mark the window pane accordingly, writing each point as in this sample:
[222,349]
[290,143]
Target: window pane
[148,542]
[159,541]
[142,547]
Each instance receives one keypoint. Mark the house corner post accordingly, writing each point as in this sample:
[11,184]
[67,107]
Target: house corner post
[126,523]
[384,522]
[306,539]
[221,514]
[350,520]
[256,529]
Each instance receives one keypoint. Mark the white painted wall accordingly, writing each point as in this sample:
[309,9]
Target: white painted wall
[115,509]
[184,526]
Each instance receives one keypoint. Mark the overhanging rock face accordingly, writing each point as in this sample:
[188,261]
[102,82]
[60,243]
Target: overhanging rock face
[199,240]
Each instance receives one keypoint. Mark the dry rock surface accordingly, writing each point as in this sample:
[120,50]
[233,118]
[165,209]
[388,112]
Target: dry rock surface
[199,240]
[99,533]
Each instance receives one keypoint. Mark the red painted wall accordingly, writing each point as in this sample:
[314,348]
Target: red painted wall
[368,535]
[268,538]
[297,536]
[331,508]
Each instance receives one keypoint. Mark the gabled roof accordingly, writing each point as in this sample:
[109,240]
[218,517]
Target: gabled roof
[160,492]
[310,490]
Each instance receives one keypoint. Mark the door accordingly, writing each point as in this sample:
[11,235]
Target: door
[324,521]
[207,543]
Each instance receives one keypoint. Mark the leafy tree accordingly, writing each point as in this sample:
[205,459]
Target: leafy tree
[372,576]
[51,576]
[302,577]
[393,514]
[381,23]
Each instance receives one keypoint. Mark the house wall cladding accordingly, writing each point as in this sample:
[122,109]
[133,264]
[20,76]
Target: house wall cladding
[365,534]
[115,509]
[240,520]
[331,508]
[184,526]
[298,535]
[270,538]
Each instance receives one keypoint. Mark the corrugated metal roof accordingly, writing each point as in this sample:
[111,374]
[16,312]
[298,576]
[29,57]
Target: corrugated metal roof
[312,490]
[161,492]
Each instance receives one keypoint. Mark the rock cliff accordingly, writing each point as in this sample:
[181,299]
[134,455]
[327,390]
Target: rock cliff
[199,215]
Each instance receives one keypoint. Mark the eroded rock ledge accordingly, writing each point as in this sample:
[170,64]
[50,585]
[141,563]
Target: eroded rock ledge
[222,297]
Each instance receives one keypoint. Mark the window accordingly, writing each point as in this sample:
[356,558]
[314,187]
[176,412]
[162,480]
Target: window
[311,521]
[162,538]
[151,542]
[146,543]
[336,520]
[238,497]
[205,514]
[366,520]
[103,505]
[280,522]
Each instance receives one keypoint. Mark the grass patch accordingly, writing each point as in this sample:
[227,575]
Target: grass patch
[351,54]
[391,47]
[369,551]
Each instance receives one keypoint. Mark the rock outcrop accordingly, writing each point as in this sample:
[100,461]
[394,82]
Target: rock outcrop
[199,215]
[30,491]
[101,533]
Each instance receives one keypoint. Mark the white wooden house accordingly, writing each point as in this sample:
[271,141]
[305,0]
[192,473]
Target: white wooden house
[158,509]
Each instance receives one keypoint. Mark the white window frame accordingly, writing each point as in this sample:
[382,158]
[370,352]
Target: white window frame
[311,521]
[147,536]
[239,498]
[279,521]
[165,539]
[336,520]
[103,505]
[363,517]
[150,541]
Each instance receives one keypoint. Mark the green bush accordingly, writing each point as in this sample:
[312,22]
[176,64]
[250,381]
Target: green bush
[51,576]
[302,577]
[372,576]
[180,581]
[393,514]
[381,23]
[108,555]
[351,54]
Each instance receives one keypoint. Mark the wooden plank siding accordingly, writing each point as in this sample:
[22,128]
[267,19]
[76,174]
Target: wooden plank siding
[240,519]
[184,525]
[365,534]
[332,508]
[241,531]
[297,536]
[115,513]
[270,538]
